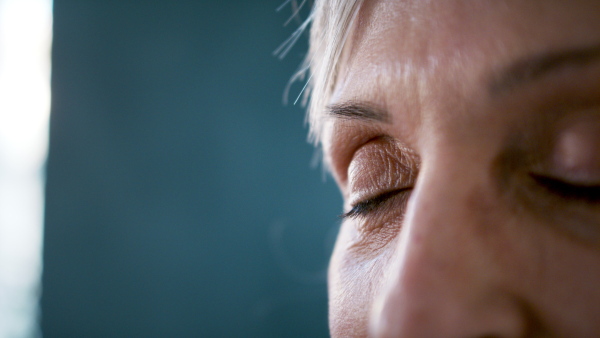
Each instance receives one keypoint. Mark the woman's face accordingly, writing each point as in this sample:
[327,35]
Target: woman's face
[465,138]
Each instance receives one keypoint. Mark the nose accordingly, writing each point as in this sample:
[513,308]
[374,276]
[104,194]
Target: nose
[443,278]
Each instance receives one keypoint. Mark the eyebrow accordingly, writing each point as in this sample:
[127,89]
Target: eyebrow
[358,111]
[530,69]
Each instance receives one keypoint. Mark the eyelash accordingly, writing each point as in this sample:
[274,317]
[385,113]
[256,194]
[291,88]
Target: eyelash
[367,206]
[568,191]
[565,190]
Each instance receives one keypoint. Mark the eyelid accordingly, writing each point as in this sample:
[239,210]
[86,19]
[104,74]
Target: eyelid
[575,153]
[380,165]
[378,171]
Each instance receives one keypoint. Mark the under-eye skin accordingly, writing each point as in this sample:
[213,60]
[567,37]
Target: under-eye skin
[571,208]
[370,205]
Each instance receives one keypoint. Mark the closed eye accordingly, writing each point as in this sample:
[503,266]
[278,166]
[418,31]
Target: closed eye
[569,191]
[367,206]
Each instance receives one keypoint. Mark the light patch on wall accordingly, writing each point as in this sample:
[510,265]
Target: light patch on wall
[25,40]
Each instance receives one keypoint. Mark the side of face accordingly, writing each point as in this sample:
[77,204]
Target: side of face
[465,138]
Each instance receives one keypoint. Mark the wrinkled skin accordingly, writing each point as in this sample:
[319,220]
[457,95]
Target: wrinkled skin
[465,138]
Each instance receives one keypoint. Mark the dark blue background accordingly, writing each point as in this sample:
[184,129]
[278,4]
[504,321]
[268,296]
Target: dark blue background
[180,197]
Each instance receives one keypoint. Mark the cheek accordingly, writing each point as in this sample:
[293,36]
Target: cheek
[565,290]
[353,283]
[554,277]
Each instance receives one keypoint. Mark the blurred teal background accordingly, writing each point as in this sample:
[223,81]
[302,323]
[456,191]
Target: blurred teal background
[180,198]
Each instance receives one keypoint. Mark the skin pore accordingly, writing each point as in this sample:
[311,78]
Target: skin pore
[465,138]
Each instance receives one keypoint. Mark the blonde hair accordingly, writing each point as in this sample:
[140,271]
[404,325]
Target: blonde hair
[331,24]
[331,21]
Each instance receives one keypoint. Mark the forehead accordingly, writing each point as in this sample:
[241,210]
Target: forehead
[411,46]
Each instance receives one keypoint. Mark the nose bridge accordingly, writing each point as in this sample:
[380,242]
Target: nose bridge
[449,220]
[439,283]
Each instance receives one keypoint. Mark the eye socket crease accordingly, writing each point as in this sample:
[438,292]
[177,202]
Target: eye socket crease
[356,122]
